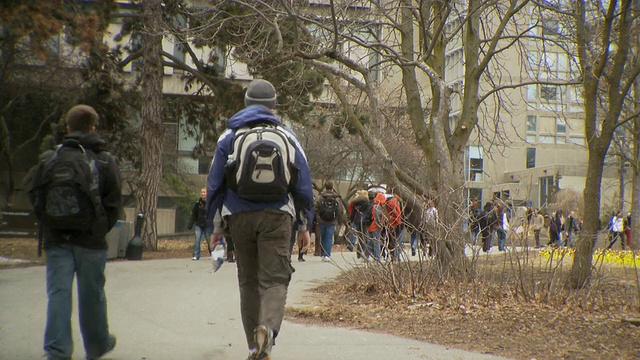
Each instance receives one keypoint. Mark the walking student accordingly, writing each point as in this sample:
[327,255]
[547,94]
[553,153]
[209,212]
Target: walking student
[537,223]
[76,196]
[260,182]
[329,210]
[199,219]
[374,229]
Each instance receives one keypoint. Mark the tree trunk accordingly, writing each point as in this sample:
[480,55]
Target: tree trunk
[581,268]
[152,128]
[634,242]
[635,193]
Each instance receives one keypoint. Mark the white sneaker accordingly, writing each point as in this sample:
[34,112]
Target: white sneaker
[194,258]
[326,259]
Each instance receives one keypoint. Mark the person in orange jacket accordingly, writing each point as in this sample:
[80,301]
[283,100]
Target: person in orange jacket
[394,226]
[374,229]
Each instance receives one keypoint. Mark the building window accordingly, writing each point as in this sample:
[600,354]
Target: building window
[532,92]
[474,194]
[547,139]
[575,94]
[531,158]
[532,123]
[578,140]
[548,93]
[475,164]
[561,126]
[546,189]
[550,27]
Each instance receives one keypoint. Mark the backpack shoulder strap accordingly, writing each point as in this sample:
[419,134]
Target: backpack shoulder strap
[94,188]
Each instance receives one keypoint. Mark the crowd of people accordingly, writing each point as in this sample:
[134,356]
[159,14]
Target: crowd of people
[619,228]
[494,220]
[375,222]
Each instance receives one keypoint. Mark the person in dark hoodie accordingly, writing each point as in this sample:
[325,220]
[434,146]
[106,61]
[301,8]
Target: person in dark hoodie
[199,219]
[487,221]
[261,230]
[359,207]
[82,253]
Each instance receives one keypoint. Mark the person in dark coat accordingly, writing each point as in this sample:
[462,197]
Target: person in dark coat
[80,253]
[555,229]
[487,220]
[199,219]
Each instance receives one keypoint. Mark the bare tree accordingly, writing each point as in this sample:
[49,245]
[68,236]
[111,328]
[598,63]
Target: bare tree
[410,39]
[603,44]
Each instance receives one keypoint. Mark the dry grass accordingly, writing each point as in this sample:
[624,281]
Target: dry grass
[491,314]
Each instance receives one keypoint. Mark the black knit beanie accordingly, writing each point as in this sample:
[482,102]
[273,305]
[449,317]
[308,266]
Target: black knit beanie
[260,92]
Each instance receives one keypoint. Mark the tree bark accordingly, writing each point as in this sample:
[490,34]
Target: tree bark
[634,242]
[581,268]
[604,73]
[152,128]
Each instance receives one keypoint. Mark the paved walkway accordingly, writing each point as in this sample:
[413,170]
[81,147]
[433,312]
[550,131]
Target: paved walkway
[179,309]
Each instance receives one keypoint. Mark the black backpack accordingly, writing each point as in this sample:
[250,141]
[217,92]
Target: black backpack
[328,208]
[260,166]
[66,192]
[364,213]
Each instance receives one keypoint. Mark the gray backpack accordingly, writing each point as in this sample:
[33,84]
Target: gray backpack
[260,167]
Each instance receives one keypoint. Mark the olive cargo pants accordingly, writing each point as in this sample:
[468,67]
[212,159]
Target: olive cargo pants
[264,267]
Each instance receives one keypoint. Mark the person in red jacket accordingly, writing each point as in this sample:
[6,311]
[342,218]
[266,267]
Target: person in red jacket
[375,228]
[394,227]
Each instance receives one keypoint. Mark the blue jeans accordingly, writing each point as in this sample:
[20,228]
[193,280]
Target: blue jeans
[200,233]
[88,265]
[326,238]
[373,245]
[359,238]
[502,239]
[414,240]
[397,247]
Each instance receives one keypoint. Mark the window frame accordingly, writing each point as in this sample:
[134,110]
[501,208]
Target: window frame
[531,158]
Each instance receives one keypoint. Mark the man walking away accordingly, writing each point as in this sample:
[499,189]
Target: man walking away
[537,223]
[555,229]
[618,231]
[394,207]
[571,227]
[77,199]
[474,215]
[259,182]
[360,216]
[329,210]
[374,229]
[199,219]
[487,221]
[502,226]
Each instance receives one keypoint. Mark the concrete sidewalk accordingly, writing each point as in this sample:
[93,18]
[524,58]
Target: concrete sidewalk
[180,309]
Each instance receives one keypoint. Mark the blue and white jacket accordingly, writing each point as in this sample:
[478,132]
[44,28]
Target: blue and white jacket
[223,201]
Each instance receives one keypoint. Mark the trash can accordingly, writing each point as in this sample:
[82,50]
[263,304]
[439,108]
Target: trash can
[135,246]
